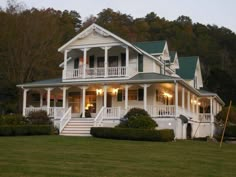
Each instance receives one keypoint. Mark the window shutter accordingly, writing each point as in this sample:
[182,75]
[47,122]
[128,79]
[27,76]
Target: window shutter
[76,63]
[91,61]
[119,95]
[123,59]
[140,63]
[140,94]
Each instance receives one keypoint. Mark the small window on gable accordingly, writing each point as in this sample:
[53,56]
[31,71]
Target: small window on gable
[140,63]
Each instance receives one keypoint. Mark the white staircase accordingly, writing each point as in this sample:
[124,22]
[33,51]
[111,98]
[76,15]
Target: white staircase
[78,127]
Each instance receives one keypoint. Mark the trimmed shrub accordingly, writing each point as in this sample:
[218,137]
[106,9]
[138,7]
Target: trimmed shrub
[230,131]
[222,115]
[25,130]
[39,118]
[133,134]
[137,118]
[13,119]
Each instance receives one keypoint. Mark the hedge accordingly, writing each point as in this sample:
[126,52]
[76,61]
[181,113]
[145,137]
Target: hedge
[16,130]
[133,134]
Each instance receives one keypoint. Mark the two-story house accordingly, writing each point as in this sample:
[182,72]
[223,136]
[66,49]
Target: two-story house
[103,76]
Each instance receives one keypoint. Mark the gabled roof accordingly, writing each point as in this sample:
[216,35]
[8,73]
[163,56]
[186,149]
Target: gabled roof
[151,47]
[172,56]
[102,31]
[187,67]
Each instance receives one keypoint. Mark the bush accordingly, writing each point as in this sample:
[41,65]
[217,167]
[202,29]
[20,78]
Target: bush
[222,115]
[16,130]
[39,118]
[137,118]
[133,134]
[230,131]
[13,119]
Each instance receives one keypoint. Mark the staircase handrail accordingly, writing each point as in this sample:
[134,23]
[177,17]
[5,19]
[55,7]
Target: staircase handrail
[99,117]
[65,119]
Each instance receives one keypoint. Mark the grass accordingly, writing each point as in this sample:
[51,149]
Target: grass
[76,156]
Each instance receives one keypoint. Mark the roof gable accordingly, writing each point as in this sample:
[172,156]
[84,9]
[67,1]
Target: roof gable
[187,67]
[152,47]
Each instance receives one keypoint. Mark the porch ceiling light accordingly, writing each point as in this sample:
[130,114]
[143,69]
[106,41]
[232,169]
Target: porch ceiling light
[165,94]
[115,91]
[99,91]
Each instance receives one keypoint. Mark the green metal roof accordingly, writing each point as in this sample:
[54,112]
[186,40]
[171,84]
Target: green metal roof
[172,56]
[205,92]
[151,47]
[138,78]
[187,67]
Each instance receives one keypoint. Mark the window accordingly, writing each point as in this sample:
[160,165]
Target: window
[140,94]
[91,61]
[119,95]
[113,61]
[132,94]
[90,102]
[123,59]
[140,63]
[100,62]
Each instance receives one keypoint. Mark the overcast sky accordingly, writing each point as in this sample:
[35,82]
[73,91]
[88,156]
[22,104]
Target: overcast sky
[219,12]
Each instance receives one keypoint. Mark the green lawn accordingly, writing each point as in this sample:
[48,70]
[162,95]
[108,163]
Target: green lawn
[75,156]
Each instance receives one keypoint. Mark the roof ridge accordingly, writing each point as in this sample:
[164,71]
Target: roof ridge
[150,41]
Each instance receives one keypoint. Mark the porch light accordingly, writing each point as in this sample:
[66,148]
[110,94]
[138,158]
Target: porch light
[88,105]
[165,94]
[199,103]
[115,91]
[99,91]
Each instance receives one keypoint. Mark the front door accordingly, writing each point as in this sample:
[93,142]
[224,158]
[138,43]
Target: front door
[109,100]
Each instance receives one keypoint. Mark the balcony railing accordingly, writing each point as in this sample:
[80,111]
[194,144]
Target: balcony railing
[95,73]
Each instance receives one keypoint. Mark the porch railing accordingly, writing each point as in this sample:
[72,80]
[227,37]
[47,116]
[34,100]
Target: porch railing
[98,119]
[120,71]
[65,119]
[205,117]
[161,111]
[56,112]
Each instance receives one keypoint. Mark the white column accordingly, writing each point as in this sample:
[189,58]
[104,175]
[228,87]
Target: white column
[48,99]
[197,107]
[106,61]
[145,96]
[83,100]
[127,60]
[64,96]
[41,98]
[176,99]
[65,64]
[183,97]
[126,96]
[212,117]
[105,96]
[55,100]
[189,101]
[24,100]
[84,62]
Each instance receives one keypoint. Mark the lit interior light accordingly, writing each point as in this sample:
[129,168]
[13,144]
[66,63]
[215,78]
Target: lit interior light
[99,91]
[167,95]
[115,91]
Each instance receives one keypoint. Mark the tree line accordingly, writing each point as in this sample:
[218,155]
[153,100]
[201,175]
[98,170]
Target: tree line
[29,39]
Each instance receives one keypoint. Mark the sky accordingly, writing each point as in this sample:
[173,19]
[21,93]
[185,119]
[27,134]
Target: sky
[217,12]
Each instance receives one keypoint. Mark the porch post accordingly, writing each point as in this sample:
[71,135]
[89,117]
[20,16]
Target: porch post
[145,96]
[84,62]
[176,99]
[105,96]
[127,60]
[183,97]
[106,61]
[65,64]
[83,100]
[24,100]
[48,99]
[64,96]
[126,96]
[189,101]
[41,98]
[212,117]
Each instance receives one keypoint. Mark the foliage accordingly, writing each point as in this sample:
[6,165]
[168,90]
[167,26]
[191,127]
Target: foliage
[230,131]
[18,130]
[12,119]
[133,134]
[39,118]
[137,118]
[221,116]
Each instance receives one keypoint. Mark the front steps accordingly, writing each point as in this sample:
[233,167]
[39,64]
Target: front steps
[78,127]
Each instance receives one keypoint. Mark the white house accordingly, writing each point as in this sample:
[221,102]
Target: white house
[104,76]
